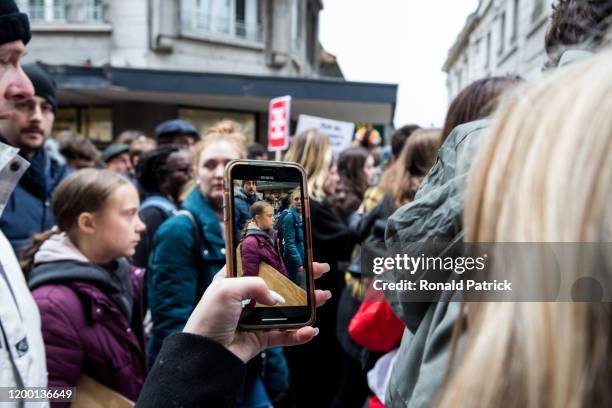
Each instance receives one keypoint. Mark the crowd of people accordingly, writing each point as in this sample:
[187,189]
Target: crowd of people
[112,263]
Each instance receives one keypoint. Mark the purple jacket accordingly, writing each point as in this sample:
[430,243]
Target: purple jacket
[256,247]
[85,324]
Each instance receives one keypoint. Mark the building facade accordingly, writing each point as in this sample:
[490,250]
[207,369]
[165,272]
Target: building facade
[501,37]
[131,64]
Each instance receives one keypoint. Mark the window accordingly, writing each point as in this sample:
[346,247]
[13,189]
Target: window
[296,23]
[538,9]
[515,20]
[75,11]
[229,18]
[502,33]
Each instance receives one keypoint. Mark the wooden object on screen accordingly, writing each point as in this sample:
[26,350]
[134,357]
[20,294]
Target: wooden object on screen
[89,393]
[276,281]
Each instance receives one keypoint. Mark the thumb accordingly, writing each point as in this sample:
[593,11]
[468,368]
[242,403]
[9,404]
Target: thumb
[254,288]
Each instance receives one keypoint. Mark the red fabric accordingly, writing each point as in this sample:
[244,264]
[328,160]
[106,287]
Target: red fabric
[375,402]
[376,327]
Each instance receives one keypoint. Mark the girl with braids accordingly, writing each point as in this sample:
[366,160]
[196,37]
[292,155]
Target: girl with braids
[89,296]
[259,242]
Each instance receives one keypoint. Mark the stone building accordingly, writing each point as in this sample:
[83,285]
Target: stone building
[500,37]
[130,64]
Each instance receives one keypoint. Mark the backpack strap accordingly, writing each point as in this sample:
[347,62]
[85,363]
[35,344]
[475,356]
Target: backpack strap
[198,257]
[159,202]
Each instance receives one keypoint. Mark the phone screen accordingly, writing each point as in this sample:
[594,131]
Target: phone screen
[269,239]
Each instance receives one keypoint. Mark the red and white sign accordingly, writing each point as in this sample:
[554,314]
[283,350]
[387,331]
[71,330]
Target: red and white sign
[279,121]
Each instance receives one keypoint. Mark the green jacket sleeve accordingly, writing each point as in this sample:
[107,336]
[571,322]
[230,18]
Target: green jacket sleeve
[172,280]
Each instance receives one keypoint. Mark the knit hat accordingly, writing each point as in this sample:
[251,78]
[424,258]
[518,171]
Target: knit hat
[13,24]
[44,84]
[113,151]
[176,127]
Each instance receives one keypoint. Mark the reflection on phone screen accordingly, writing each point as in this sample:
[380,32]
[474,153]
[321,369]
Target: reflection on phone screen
[269,237]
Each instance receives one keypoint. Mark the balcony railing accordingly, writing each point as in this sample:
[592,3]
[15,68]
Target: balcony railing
[196,22]
[64,13]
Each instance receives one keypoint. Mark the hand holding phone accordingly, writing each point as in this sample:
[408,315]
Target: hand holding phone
[217,314]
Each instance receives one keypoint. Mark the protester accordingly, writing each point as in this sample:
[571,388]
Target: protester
[435,214]
[116,158]
[214,372]
[292,233]
[127,137]
[577,26]
[244,197]
[140,146]
[162,173]
[399,183]
[79,151]
[332,241]
[189,248]
[522,354]
[356,171]
[399,137]
[29,125]
[89,296]
[256,151]
[22,354]
[259,242]
[177,131]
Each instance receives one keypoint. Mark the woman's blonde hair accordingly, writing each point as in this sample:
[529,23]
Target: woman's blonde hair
[224,131]
[312,149]
[543,175]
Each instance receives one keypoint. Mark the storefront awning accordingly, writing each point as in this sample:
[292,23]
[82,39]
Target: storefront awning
[334,99]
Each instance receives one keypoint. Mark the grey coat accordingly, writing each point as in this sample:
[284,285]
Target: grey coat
[435,214]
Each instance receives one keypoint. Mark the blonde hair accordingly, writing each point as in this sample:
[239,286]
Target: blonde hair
[544,174]
[312,149]
[224,131]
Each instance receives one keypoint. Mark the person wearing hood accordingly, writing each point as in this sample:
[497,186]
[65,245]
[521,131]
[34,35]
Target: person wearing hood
[28,127]
[244,198]
[259,241]
[88,294]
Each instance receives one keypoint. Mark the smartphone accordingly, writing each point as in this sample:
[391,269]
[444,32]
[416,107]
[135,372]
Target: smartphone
[267,231]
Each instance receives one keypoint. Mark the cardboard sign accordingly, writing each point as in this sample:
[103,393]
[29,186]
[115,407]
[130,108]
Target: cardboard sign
[279,121]
[340,133]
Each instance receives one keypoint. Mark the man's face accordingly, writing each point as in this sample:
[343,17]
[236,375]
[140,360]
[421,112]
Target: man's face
[14,84]
[250,188]
[30,124]
[120,163]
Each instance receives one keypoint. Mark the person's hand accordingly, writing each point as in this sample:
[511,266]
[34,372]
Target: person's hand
[216,315]
[300,269]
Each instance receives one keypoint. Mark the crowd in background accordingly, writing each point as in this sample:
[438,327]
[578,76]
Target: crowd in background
[117,248]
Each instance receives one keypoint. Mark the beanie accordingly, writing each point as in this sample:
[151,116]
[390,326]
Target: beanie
[14,25]
[44,84]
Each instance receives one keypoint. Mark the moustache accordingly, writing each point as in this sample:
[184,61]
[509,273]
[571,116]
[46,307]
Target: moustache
[33,129]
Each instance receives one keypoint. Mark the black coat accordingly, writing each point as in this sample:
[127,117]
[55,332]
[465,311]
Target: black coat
[332,242]
[192,371]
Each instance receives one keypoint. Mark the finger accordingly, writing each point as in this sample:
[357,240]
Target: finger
[250,287]
[221,274]
[291,338]
[318,269]
[322,296]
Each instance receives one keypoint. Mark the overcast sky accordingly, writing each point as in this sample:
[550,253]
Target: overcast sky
[397,41]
